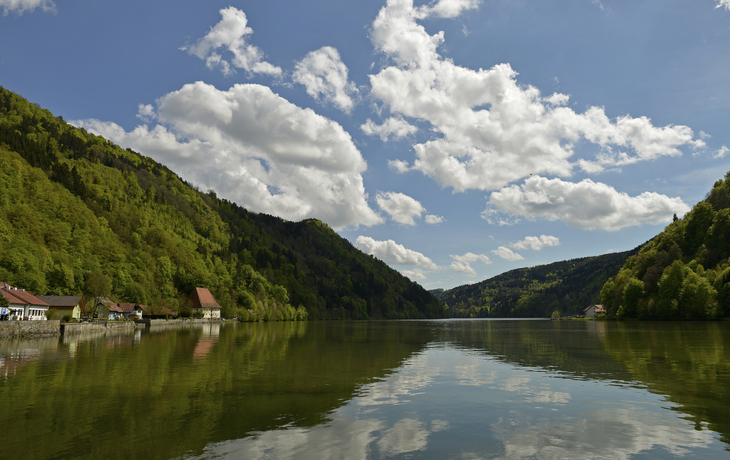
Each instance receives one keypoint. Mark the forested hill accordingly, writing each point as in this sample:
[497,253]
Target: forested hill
[535,292]
[80,215]
[684,272]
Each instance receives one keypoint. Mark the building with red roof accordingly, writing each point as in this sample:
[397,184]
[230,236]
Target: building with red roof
[202,301]
[24,305]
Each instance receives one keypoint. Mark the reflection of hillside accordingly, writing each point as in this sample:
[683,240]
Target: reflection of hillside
[165,403]
[687,361]
[573,348]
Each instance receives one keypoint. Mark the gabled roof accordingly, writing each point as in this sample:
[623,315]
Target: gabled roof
[25,297]
[62,301]
[159,310]
[202,298]
[122,307]
[11,298]
[599,308]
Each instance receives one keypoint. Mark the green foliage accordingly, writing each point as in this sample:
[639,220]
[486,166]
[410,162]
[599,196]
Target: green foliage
[79,214]
[685,269]
[569,286]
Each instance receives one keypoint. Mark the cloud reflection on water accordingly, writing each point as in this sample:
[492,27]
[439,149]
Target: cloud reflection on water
[489,407]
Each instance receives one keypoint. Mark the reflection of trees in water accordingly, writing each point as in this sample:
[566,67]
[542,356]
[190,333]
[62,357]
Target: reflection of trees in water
[572,348]
[687,361]
[83,397]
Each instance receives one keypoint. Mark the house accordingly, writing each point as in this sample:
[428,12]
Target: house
[66,304]
[201,300]
[594,310]
[24,305]
[117,311]
[156,312]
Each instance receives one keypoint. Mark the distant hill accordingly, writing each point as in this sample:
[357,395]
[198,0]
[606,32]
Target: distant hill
[684,272]
[79,214]
[535,292]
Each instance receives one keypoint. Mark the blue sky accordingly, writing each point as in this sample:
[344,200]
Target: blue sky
[455,139]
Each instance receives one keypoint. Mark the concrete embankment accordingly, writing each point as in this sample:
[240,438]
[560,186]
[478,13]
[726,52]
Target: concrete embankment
[76,328]
[29,328]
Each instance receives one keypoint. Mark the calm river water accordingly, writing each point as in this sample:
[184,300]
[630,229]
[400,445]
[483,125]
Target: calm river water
[450,389]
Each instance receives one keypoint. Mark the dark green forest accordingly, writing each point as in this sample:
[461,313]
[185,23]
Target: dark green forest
[684,272]
[80,215]
[536,292]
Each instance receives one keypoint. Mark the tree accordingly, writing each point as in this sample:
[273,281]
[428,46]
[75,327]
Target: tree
[633,292]
[97,285]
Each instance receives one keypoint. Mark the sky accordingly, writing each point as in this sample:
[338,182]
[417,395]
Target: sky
[453,139]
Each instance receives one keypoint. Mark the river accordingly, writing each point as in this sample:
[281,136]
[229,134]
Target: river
[446,389]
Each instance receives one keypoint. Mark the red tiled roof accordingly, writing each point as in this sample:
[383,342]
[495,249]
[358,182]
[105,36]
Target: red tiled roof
[122,307]
[11,298]
[25,297]
[202,298]
[159,310]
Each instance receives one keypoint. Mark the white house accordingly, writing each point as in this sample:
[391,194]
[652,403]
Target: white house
[594,310]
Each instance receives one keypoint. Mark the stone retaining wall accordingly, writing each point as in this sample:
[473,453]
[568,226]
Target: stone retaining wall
[29,328]
[73,328]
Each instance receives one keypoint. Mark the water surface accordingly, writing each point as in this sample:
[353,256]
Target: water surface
[460,389]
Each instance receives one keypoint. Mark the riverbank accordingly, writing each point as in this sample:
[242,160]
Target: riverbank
[14,329]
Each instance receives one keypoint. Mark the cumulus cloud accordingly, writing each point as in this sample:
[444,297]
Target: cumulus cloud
[393,253]
[462,264]
[324,76]
[723,3]
[535,243]
[507,254]
[398,165]
[146,112]
[723,150]
[395,127]
[491,130]
[231,34]
[433,219]
[21,6]
[257,149]
[401,208]
[585,205]
[415,274]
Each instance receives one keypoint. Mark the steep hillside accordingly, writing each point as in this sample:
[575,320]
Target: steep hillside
[684,272]
[568,286]
[79,214]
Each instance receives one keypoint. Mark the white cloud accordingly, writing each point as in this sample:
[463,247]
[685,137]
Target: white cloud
[415,274]
[585,205]
[393,253]
[324,75]
[257,149]
[398,166]
[433,219]
[462,264]
[725,3]
[230,33]
[401,208]
[21,6]
[507,254]
[396,127]
[535,243]
[491,130]
[146,112]
[723,150]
